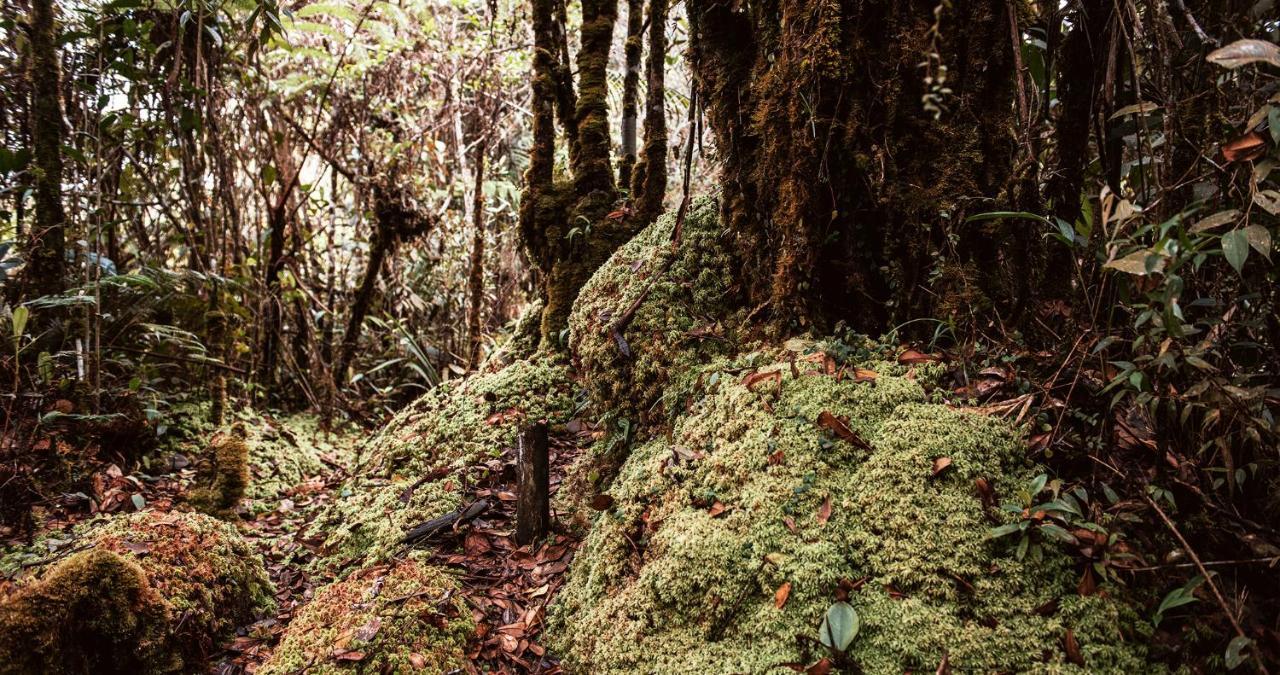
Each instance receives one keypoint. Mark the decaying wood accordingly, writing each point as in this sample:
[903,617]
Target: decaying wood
[449,521]
[533,504]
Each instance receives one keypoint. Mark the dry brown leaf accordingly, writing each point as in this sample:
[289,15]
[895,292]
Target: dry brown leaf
[941,464]
[1072,648]
[1244,148]
[837,426]
[601,502]
[781,595]
[717,509]
[824,511]
[912,357]
[750,381]
[822,667]
[864,375]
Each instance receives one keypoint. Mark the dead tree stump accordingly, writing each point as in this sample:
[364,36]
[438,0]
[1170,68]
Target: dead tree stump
[533,504]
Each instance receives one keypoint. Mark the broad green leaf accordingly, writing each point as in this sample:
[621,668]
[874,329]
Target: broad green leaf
[1004,530]
[1055,532]
[139,502]
[1235,651]
[839,626]
[20,316]
[998,215]
[1235,248]
[1244,52]
[1260,239]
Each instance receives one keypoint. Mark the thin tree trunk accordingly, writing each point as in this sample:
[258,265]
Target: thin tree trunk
[46,265]
[631,88]
[475,280]
[381,247]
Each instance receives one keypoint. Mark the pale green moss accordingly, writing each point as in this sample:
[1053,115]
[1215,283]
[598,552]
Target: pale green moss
[414,469]
[222,476]
[678,325]
[405,617]
[662,584]
[286,451]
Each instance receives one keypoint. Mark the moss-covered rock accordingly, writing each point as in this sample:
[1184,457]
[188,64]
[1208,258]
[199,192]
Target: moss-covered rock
[153,593]
[383,619]
[412,471]
[678,324]
[752,492]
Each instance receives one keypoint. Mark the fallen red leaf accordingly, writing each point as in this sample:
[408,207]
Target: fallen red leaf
[1244,148]
[601,502]
[717,509]
[820,668]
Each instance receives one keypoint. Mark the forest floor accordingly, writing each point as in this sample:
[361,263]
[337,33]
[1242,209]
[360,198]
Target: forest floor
[506,586]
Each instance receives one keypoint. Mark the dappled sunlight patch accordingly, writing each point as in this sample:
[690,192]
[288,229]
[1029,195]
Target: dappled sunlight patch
[794,481]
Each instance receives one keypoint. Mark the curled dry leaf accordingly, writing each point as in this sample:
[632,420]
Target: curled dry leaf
[1244,52]
[837,426]
[824,511]
[1247,147]
[601,502]
[750,381]
[1072,648]
[941,464]
[864,375]
[717,509]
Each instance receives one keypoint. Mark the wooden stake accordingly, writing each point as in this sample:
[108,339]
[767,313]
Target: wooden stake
[533,504]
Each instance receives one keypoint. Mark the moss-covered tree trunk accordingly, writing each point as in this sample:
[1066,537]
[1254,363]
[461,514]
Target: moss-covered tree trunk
[649,184]
[46,266]
[857,136]
[569,227]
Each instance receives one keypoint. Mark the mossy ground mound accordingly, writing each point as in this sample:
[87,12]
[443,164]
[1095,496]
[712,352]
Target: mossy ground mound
[414,470]
[384,619]
[286,451]
[678,323]
[750,493]
[154,593]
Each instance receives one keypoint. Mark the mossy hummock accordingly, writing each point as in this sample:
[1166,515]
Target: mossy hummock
[153,593]
[751,493]
[680,322]
[383,619]
[416,468]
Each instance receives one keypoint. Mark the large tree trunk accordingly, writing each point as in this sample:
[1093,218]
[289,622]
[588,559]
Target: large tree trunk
[475,277]
[849,167]
[46,265]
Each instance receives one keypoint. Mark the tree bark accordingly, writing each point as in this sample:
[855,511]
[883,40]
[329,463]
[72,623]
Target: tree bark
[46,263]
[631,88]
[849,168]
